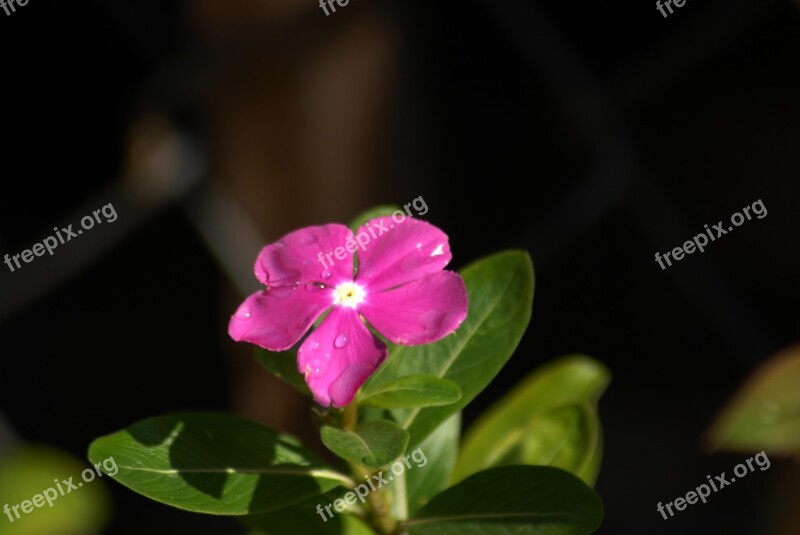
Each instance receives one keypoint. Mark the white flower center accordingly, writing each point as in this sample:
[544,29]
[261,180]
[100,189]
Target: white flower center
[349,294]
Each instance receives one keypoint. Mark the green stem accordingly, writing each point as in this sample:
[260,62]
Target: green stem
[350,417]
[381,513]
[400,497]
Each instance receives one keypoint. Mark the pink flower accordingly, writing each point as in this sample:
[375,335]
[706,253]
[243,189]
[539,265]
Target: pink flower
[401,289]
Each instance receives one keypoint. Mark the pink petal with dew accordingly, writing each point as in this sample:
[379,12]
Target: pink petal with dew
[420,312]
[295,258]
[339,356]
[405,252]
[277,318]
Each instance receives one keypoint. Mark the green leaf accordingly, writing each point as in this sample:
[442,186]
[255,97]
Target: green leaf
[765,413]
[374,444]
[563,437]
[550,418]
[372,213]
[30,471]
[500,291]
[518,500]
[283,365]
[304,517]
[214,463]
[440,450]
[412,391]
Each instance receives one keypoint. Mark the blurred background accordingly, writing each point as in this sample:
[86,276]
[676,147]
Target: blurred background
[592,134]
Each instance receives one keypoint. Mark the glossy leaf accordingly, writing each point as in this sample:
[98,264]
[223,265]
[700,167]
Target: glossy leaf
[376,443]
[214,463]
[411,392]
[500,291]
[550,418]
[512,500]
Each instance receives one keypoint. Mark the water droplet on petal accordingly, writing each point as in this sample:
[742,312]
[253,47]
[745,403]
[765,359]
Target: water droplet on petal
[314,287]
[341,341]
[314,344]
[326,274]
[247,315]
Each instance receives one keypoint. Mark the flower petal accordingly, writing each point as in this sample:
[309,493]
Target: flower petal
[339,356]
[400,253]
[277,318]
[301,257]
[421,312]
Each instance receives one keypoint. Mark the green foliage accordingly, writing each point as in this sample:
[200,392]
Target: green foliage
[303,518]
[500,291]
[765,413]
[376,443]
[283,365]
[214,463]
[441,450]
[550,418]
[512,500]
[407,416]
[28,471]
[411,392]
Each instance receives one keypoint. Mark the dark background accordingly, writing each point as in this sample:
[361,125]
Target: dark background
[592,134]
